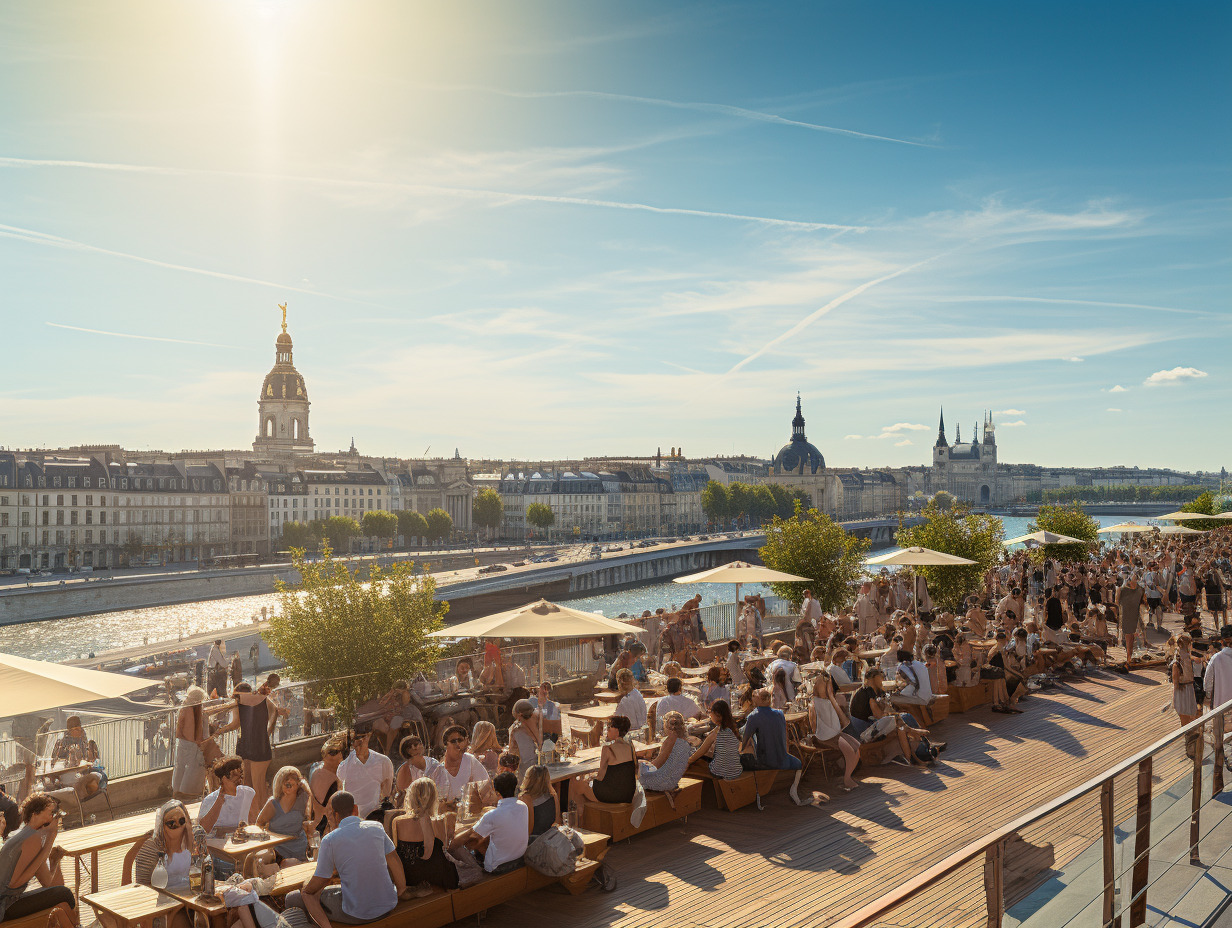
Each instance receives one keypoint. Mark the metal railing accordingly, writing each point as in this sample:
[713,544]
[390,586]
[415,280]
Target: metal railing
[1113,904]
[720,619]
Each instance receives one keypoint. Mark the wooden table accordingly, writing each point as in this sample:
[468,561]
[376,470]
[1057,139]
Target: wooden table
[210,906]
[599,714]
[587,761]
[79,842]
[238,851]
[611,697]
[133,905]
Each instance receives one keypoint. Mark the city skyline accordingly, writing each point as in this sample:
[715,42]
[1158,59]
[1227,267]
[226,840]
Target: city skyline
[576,232]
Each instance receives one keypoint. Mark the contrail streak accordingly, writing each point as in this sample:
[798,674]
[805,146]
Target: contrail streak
[1065,302]
[818,313]
[500,196]
[721,108]
[56,241]
[144,338]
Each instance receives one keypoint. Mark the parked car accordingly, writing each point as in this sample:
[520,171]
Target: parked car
[493,569]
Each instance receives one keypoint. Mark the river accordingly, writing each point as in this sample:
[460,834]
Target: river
[65,639]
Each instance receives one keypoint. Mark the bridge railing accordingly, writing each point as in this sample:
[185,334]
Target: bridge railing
[1142,842]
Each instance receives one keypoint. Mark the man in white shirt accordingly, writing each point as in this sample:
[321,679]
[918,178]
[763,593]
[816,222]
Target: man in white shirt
[1218,679]
[1012,602]
[810,609]
[365,774]
[866,610]
[917,684]
[675,701]
[216,668]
[791,668]
[498,840]
[367,864]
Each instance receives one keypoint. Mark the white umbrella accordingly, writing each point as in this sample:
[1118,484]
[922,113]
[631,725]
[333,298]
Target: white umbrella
[1179,516]
[918,557]
[1180,530]
[540,620]
[1043,538]
[739,573]
[33,686]
[1126,528]
[1225,515]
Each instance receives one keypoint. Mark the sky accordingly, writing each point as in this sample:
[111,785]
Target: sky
[535,230]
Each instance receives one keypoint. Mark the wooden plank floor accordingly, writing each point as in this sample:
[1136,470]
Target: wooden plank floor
[806,866]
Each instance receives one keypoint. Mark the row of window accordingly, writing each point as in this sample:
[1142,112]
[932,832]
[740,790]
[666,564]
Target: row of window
[121,483]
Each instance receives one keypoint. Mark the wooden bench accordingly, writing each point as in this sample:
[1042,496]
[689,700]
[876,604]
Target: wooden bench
[33,920]
[742,791]
[612,818]
[965,698]
[927,716]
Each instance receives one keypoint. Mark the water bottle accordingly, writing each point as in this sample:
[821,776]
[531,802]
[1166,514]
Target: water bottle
[158,876]
[207,876]
[573,814]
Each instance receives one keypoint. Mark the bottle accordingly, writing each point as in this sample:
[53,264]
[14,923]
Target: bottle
[158,876]
[207,876]
[573,814]
[194,873]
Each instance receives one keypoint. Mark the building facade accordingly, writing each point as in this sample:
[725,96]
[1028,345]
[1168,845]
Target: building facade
[968,470]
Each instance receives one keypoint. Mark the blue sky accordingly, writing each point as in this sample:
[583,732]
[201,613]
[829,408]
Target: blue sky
[535,230]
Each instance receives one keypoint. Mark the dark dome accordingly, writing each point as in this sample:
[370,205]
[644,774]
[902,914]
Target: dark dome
[787,461]
[283,383]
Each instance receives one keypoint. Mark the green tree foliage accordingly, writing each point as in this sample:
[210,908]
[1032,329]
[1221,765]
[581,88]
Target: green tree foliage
[1064,520]
[955,531]
[1205,504]
[762,507]
[715,502]
[738,501]
[1124,494]
[810,544]
[353,638]
[299,535]
[339,530]
[540,515]
[944,499]
[412,524]
[488,509]
[379,524]
[440,524]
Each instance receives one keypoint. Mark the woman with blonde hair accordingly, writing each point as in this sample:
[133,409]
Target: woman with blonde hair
[665,771]
[323,779]
[286,812]
[525,737]
[540,797]
[1184,700]
[420,837]
[632,704]
[486,746]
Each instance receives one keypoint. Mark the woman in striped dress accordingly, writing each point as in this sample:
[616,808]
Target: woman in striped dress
[722,746]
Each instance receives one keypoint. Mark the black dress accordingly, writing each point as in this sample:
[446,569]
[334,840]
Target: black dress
[437,870]
[254,741]
[618,784]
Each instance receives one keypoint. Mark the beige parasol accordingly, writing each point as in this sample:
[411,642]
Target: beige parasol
[540,620]
[33,686]
[1180,530]
[1035,539]
[1179,516]
[918,557]
[1127,528]
[740,573]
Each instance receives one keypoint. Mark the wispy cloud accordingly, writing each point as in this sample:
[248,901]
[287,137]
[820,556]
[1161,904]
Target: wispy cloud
[852,437]
[1118,389]
[1174,376]
[1060,301]
[1074,359]
[1114,409]
[1011,412]
[903,443]
[144,338]
[722,109]
[1012,424]
[904,427]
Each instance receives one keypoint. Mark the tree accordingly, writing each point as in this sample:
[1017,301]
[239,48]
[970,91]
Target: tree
[810,544]
[353,639]
[440,524]
[1065,520]
[133,546]
[299,535]
[488,509]
[540,515]
[944,500]
[1205,504]
[412,524]
[955,530]
[762,506]
[715,503]
[339,530]
[737,501]
[379,524]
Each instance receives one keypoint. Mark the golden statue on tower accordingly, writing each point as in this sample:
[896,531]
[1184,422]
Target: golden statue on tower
[283,307]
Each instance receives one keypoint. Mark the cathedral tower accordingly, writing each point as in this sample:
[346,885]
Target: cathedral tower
[282,408]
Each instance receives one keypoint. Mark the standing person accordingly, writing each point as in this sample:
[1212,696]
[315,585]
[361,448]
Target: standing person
[828,719]
[367,775]
[237,670]
[1129,604]
[30,852]
[368,867]
[923,599]
[216,669]
[1218,678]
[253,714]
[866,610]
[191,733]
[1152,582]
[1184,699]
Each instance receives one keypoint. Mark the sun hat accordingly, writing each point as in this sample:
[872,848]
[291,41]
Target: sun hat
[195,696]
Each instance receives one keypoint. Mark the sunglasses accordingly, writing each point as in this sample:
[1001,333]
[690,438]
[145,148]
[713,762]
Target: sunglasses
[333,751]
[174,822]
[457,741]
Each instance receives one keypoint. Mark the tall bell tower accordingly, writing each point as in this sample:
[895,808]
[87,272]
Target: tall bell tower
[282,407]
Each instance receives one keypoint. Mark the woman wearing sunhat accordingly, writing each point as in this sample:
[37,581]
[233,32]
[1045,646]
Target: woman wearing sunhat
[191,732]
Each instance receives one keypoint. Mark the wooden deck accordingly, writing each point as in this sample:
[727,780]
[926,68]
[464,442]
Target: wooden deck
[807,866]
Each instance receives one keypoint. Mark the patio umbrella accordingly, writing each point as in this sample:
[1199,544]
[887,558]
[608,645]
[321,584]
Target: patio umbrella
[740,573]
[34,686]
[918,557]
[1036,539]
[1126,528]
[1180,530]
[1179,516]
[542,620]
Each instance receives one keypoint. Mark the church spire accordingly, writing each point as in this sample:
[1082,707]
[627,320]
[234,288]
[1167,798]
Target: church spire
[797,424]
[957,433]
[941,442]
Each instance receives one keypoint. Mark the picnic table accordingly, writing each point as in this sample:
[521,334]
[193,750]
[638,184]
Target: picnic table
[101,837]
[587,761]
[133,905]
[609,697]
[601,713]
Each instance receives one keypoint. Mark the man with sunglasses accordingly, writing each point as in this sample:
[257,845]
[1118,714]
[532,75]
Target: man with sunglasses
[458,767]
[366,775]
[30,853]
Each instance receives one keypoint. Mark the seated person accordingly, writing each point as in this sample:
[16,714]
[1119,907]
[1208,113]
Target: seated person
[827,719]
[1004,690]
[735,666]
[509,763]
[841,667]
[539,796]
[548,711]
[765,734]
[366,861]
[617,779]
[493,673]
[624,661]
[10,814]
[676,701]
[915,680]
[75,747]
[789,667]
[713,688]
[869,704]
[173,839]
[721,748]
[421,835]
[458,767]
[664,772]
[415,764]
[29,853]
[525,738]
[779,687]
[744,699]
[937,677]
[226,807]
[632,704]
[499,839]
[638,668]
[286,812]
[486,745]
[395,707]
[463,676]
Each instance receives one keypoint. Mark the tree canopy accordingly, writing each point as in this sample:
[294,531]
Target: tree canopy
[412,524]
[353,639]
[1065,520]
[1118,494]
[1204,504]
[715,502]
[379,524]
[299,535]
[540,515]
[810,544]
[440,524]
[338,531]
[759,503]
[488,509]
[955,530]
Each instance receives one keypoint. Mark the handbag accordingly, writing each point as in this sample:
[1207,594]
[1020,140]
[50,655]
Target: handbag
[881,728]
[555,852]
